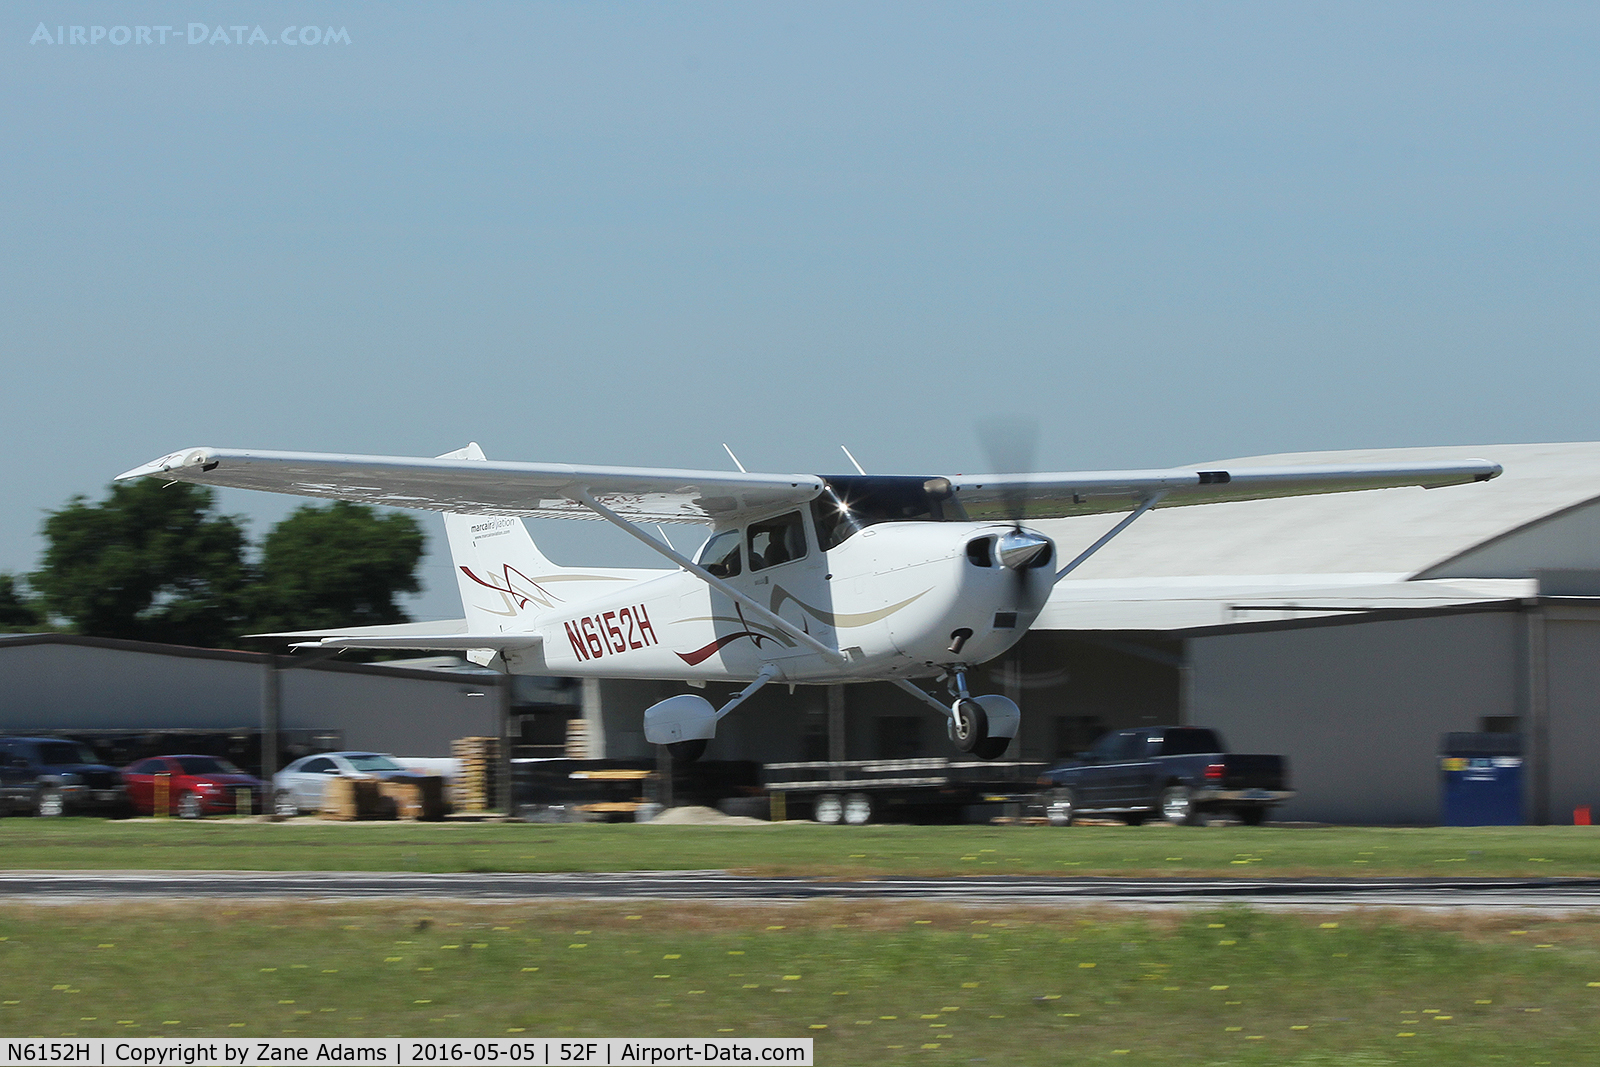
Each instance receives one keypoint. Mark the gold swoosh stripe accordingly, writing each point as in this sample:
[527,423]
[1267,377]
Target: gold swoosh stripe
[859,618]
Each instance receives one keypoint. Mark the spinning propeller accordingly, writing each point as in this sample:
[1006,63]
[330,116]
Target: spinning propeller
[1010,444]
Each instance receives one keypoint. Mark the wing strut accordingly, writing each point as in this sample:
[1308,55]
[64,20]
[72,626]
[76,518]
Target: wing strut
[768,673]
[1149,502]
[581,496]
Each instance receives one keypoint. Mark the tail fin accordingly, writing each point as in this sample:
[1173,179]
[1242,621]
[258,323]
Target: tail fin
[503,577]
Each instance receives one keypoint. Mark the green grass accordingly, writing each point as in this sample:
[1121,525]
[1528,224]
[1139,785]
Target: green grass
[802,848]
[881,983]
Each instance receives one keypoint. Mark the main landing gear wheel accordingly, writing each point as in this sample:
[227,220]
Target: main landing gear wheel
[828,809]
[687,751]
[969,726]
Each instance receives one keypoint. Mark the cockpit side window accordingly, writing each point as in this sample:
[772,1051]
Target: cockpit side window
[720,556]
[775,541]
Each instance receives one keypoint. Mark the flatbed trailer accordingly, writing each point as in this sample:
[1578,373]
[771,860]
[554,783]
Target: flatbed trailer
[855,792]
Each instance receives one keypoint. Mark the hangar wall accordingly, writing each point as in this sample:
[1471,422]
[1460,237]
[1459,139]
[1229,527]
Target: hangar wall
[57,682]
[403,714]
[1359,708]
[79,686]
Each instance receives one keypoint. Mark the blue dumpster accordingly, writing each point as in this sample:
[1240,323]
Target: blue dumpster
[1481,779]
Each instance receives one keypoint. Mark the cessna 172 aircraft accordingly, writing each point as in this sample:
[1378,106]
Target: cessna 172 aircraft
[804,579]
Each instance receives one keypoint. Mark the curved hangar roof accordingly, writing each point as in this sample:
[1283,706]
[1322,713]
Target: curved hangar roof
[1232,563]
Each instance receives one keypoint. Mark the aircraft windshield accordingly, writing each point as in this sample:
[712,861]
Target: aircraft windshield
[851,503]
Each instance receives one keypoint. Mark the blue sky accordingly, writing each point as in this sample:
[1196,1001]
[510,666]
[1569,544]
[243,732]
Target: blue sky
[626,233]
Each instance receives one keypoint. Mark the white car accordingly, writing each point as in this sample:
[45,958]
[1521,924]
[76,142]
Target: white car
[300,786]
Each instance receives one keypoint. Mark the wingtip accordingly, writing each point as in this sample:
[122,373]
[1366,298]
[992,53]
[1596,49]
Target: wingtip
[188,457]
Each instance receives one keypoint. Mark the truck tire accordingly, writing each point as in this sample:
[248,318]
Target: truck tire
[1177,806]
[1251,816]
[828,809]
[857,809]
[1060,807]
[49,803]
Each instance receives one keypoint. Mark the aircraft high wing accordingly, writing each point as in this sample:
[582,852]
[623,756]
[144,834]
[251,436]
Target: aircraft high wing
[805,578]
[650,495]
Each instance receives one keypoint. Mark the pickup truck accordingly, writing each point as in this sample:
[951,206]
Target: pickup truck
[50,776]
[1180,773]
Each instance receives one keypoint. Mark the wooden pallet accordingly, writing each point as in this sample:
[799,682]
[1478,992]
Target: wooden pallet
[474,786]
[577,739]
[347,798]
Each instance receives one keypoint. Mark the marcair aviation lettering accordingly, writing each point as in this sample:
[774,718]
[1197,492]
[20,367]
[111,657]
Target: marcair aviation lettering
[594,636]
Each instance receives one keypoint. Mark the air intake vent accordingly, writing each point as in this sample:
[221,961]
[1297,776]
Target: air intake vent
[1005,620]
[1215,477]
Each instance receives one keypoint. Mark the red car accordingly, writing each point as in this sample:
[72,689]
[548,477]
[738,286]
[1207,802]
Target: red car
[195,786]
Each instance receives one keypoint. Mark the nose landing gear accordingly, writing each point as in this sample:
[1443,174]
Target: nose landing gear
[982,726]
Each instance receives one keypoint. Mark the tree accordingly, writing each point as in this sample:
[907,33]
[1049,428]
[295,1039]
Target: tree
[18,613]
[148,563]
[339,565]
[156,562]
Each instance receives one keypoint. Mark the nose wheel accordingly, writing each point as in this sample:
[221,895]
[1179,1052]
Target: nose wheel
[969,725]
[981,726]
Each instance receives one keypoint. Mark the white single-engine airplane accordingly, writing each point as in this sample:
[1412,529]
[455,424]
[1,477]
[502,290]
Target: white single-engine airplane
[804,579]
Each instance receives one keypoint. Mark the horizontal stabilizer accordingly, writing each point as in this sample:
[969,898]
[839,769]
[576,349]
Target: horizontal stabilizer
[393,629]
[444,635]
[441,642]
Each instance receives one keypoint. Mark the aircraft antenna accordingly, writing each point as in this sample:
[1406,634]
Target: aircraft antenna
[733,457]
[852,459]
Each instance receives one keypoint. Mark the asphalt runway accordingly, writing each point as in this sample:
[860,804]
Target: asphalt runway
[718,886]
